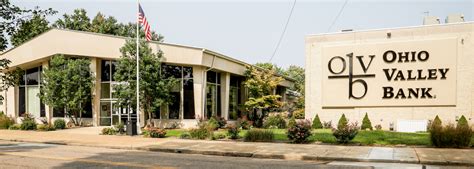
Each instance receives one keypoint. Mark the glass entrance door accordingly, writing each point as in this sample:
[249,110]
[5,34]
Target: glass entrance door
[105,113]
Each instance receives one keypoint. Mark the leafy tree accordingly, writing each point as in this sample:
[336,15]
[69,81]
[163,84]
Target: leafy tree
[29,29]
[462,121]
[77,21]
[261,84]
[296,73]
[270,66]
[103,24]
[12,17]
[8,77]
[154,87]
[67,83]
[366,124]
[437,121]
[317,122]
[342,122]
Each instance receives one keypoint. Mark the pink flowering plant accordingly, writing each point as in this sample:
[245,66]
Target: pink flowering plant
[299,132]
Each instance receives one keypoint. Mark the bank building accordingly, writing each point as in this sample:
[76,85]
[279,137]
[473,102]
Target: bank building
[209,83]
[400,77]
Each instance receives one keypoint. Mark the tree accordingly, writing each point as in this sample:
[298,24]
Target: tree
[104,25]
[77,21]
[8,77]
[317,122]
[29,29]
[67,83]
[270,66]
[12,17]
[296,73]
[261,84]
[154,87]
[462,121]
[342,122]
[366,124]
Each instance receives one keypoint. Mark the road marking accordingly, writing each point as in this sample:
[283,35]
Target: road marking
[91,161]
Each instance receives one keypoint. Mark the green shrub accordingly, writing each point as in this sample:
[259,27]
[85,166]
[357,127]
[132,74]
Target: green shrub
[120,128]
[233,131]
[221,122]
[109,131]
[317,123]
[462,121]
[259,135]
[29,124]
[342,122]
[14,127]
[298,114]
[212,124]
[450,136]
[154,132]
[59,124]
[274,120]
[217,136]
[300,132]
[45,127]
[244,124]
[345,132]
[292,121]
[5,121]
[185,135]
[200,133]
[366,124]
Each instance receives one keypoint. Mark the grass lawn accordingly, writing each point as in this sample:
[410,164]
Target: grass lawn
[363,138]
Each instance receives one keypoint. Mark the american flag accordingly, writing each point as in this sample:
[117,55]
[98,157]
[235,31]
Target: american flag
[144,23]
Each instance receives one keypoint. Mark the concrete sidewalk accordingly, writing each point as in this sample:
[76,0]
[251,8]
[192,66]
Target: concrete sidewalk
[255,150]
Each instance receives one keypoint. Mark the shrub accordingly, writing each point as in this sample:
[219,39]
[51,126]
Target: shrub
[342,122]
[59,124]
[378,127]
[300,132]
[120,128]
[200,133]
[221,122]
[154,132]
[108,131]
[292,121]
[185,135]
[233,131]
[244,124]
[462,121]
[366,124]
[45,127]
[28,124]
[298,114]
[274,120]
[450,136]
[327,124]
[345,132]
[5,121]
[317,123]
[14,127]
[259,135]
[212,124]
[217,136]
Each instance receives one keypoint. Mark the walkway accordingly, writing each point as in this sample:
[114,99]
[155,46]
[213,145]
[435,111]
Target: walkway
[247,149]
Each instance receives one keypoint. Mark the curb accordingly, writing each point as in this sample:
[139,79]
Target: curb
[252,154]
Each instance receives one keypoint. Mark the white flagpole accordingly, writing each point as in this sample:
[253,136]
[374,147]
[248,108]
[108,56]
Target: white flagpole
[138,72]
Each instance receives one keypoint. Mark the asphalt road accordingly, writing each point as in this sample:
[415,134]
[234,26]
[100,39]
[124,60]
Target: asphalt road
[32,155]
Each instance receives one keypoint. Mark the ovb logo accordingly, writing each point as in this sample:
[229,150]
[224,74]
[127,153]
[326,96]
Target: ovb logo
[352,78]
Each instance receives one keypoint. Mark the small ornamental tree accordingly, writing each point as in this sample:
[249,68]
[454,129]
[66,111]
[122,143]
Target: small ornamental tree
[462,121]
[67,83]
[366,124]
[342,122]
[154,87]
[317,122]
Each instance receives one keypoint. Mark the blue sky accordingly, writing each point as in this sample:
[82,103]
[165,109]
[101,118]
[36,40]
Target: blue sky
[249,30]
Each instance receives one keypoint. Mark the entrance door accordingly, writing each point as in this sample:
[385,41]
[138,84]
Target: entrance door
[105,113]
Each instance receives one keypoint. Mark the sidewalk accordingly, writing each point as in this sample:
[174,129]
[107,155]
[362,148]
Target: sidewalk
[254,150]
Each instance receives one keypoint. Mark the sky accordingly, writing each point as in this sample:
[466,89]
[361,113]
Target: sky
[249,30]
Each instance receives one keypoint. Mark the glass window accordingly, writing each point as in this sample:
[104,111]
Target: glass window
[156,113]
[33,102]
[234,98]
[187,72]
[173,107]
[105,90]
[32,76]
[171,71]
[21,101]
[87,112]
[188,102]
[58,112]
[113,69]
[211,77]
[105,70]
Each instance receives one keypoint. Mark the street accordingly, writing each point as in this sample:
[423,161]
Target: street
[33,155]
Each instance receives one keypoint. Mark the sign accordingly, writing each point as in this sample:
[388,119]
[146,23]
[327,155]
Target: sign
[408,73]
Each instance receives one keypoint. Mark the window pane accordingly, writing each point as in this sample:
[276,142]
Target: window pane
[105,70]
[87,112]
[21,101]
[156,113]
[173,108]
[211,77]
[33,106]
[218,76]
[171,71]
[105,90]
[187,72]
[233,103]
[42,110]
[105,113]
[188,102]
[58,112]
[23,78]
[114,66]
[218,102]
[32,76]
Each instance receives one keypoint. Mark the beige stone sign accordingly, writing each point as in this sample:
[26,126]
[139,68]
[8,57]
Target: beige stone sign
[408,73]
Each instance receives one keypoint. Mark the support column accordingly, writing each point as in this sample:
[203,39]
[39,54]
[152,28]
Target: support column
[225,89]
[96,69]
[199,89]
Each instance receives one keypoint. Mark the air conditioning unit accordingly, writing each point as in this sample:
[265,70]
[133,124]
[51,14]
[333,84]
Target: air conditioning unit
[431,20]
[453,18]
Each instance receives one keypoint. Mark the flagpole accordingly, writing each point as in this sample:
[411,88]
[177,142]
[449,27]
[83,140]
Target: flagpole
[138,72]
